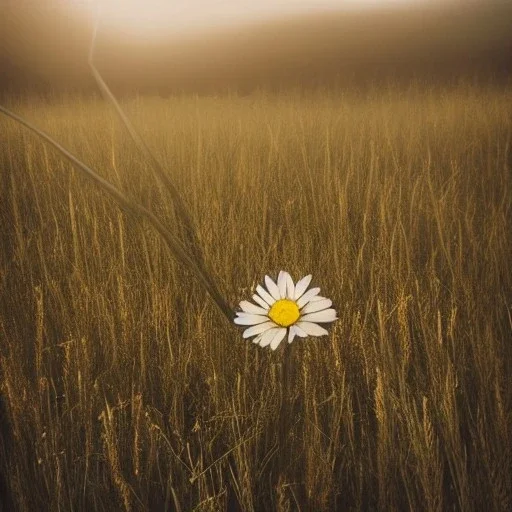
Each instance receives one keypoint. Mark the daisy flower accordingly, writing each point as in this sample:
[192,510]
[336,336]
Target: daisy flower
[285,308]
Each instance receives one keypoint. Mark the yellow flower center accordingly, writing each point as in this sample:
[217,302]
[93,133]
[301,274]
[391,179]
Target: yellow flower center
[284,312]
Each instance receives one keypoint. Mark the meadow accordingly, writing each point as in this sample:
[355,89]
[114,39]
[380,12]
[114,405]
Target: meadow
[124,388]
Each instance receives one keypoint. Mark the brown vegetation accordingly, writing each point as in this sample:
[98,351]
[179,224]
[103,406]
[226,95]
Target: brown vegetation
[125,389]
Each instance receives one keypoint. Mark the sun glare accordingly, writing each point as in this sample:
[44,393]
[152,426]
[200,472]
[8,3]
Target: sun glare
[154,17]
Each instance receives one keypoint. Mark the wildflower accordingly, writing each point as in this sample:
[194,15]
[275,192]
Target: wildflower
[285,308]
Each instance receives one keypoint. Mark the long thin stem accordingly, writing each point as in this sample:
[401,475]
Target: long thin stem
[136,209]
[191,238]
[179,204]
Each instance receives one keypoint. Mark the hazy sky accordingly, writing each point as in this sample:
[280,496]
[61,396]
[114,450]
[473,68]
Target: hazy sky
[144,44]
[145,17]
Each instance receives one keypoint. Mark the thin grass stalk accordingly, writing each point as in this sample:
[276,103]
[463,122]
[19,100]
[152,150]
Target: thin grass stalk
[137,210]
[179,205]
[285,423]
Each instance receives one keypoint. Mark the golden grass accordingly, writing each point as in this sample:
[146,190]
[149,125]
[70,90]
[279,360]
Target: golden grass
[124,388]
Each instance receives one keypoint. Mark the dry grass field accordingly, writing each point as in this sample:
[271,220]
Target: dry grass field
[124,388]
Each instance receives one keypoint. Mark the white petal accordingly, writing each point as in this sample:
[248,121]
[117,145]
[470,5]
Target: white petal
[257,339]
[258,329]
[327,315]
[301,286]
[245,315]
[249,307]
[265,295]
[317,297]
[307,296]
[278,338]
[291,333]
[312,329]
[290,287]
[249,319]
[316,305]
[260,301]
[272,288]
[281,284]
[299,332]
[268,336]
